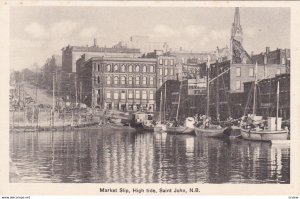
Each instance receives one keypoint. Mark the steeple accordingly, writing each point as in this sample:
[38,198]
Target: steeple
[236,30]
[236,21]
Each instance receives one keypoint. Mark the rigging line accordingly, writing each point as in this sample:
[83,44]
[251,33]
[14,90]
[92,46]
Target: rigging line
[227,97]
[249,98]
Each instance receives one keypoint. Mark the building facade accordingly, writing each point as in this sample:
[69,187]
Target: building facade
[186,96]
[166,69]
[227,85]
[70,54]
[266,95]
[126,84]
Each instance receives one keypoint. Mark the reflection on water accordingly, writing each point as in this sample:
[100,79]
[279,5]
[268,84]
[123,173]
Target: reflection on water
[104,156]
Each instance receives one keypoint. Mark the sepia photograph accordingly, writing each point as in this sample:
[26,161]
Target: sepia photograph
[151,96]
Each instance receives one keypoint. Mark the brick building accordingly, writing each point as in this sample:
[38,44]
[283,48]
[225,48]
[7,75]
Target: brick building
[227,91]
[166,69]
[70,54]
[192,96]
[118,83]
[266,93]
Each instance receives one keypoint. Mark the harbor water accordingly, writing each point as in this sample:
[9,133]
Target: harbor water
[126,156]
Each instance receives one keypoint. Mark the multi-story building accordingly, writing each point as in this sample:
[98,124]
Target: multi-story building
[275,57]
[70,54]
[127,84]
[266,95]
[192,94]
[166,69]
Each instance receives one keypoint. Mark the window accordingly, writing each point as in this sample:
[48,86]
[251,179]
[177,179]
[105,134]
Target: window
[137,80]
[160,82]
[137,95]
[123,68]
[151,95]
[172,62]
[278,71]
[94,66]
[130,80]
[166,71]
[282,61]
[123,95]
[238,71]
[108,96]
[108,80]
[251,72]
[116,68]
[116,80]
[137,68]
[116,95]
[98,67]
[151,69]
[130,68]
[160,71]
[144,69]
[238,85]
[160,62]
[130,94]
[108,68]
[123,80]
[151,80]
[166,62]
[144,95]
[144,80]
[171,72]
[98,79]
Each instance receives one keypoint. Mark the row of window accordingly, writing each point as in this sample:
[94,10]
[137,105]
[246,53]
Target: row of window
[123,68]
[128,80]
[251,71]
[166,71]
[166,62]
[131,94]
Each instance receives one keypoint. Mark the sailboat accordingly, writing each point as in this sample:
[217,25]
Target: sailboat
[209,130]
[273,131]
[188,127]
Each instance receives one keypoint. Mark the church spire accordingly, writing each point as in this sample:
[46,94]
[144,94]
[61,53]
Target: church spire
[237,31]
[236,21]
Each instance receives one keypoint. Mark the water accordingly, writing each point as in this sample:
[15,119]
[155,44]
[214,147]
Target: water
[120,156]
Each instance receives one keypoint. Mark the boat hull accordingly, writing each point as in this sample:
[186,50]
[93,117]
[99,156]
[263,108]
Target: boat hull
[265,135]
[209,132]
[180,130]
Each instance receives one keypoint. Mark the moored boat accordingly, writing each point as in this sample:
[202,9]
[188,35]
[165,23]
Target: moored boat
[187,129]
[211,131]
[264,135]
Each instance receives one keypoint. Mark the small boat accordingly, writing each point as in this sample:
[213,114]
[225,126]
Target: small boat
[263,135]
[211,131]
[187,129]
[232,132]
[142,121]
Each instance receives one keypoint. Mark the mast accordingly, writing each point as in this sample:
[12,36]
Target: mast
[178,101]
[207,87]
[53,99]
[165,97]
[160,106]
[277,105]
[254,94]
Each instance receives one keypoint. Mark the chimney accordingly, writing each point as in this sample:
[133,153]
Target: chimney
[267,50]
[95,42]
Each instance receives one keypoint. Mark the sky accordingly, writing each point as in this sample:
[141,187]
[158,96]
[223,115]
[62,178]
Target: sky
[37,33]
